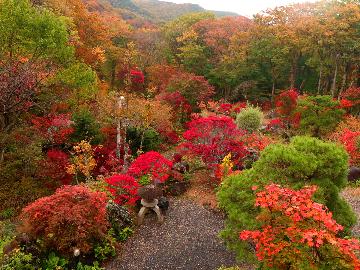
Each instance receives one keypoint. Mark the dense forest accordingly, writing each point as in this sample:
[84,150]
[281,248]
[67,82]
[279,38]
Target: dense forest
[92,91]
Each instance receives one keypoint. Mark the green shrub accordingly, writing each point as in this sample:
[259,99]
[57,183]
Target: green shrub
[319,115]
[95,266]
[250,119]
[151,139]
[104,251]
[53,262]
[106,248]
[18,260]
[86,128]
[125,234]
[7,234]
[303,161]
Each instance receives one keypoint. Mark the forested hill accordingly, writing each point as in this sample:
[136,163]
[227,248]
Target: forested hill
[156,10]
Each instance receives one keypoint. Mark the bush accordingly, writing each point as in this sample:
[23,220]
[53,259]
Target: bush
[250,119]
[119,217]
[319,115]
[54,166]
[212,138]
[124,188]
[73,217]
[297,233]
[152,164]
[86,128]
[303,161]
[18,260]
[151,139]
[286,103]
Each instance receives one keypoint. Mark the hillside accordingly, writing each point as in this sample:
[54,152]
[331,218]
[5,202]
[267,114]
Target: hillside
[156,10]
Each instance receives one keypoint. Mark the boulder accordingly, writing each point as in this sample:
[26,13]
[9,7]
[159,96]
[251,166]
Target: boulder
[354,174]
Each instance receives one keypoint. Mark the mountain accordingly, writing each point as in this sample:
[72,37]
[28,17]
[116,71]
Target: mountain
[156,10]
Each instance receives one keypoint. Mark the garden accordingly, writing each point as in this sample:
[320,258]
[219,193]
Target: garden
[197,143]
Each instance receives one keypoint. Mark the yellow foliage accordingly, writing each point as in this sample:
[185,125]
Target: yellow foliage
[83,161]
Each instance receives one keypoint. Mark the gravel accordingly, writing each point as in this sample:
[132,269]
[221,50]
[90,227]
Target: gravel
[352,196]
[187,240]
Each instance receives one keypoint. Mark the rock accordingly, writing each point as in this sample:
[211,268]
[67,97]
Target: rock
[118,216]
[163,204]
[354,174]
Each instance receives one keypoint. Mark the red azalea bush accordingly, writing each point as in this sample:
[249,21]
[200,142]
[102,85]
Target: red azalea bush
[106,160]
[351,141]
[212,138]
[73,217]
[346,104]
[225,108]
[275,124]
[54,167]
[124,188]
[178,103]
[153,164]
[286,103]
[299,233]
[257,142]
[137,76]
[55,128]
[352,95]
[194,88]
[219,107]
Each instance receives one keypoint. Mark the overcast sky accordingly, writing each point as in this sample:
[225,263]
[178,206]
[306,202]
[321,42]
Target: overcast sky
[242,7]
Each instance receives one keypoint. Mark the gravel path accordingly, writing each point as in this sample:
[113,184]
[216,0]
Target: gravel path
[352,196]
[186,241]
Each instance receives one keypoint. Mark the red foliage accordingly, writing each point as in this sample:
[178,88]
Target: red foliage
[274,124]
[176,100]
[153,164]
[345,104]
[194,88]
[352,94]
[19,81]
[170,136]
[105,155]
[73,217]
[137,76]
[169,79]
[106,160]
[237,107]
[351,142]
[255,142]
[217,33]
[295,228]
[124,188]
[221,108]
[212,138]
[225,108]
[54,128]
[286,102]
[54,167]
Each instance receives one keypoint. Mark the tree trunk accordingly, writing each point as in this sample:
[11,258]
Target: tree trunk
[118,139]
[293,72]
[142,140]
[344,80]
[273,92]
[320,81]
[333,88]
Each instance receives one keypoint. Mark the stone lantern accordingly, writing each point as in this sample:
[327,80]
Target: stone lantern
[149,200]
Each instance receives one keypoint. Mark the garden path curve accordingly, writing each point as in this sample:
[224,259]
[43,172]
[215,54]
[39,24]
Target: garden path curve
[188,240]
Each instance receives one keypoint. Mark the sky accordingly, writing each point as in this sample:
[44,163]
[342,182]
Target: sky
[242,7]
